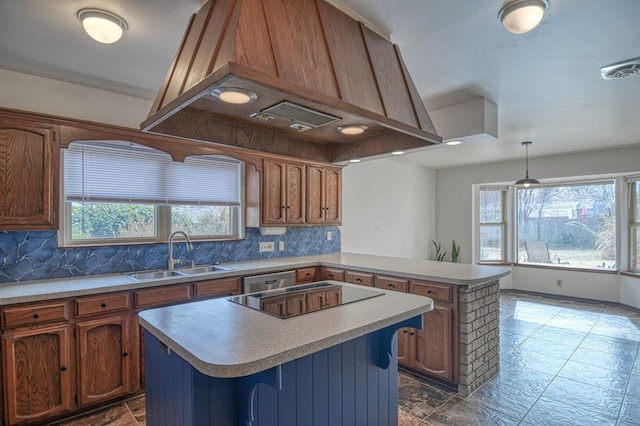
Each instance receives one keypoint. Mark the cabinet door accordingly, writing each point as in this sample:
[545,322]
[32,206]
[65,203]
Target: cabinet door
[273,198]
[274,305]
[405,342]
[315,194]
[315,300]
[296,305]
[333,197]
[433,344]
[37,374]
[104,359]
[28,176]
[295,193]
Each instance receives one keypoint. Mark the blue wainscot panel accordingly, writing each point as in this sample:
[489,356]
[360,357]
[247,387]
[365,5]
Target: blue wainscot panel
[354,383]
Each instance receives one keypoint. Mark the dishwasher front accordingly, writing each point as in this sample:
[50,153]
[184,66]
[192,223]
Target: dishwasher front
[256,283]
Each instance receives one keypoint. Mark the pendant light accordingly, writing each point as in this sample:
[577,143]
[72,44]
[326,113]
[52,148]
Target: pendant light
[527,181]
[521,16]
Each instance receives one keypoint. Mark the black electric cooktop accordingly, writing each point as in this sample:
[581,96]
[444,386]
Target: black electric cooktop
[303,299]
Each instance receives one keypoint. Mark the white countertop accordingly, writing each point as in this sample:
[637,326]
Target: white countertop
[450,273]
[223,339]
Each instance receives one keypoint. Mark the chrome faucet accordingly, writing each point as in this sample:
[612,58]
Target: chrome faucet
[172,261]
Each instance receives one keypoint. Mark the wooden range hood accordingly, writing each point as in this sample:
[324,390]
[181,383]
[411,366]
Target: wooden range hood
[302,52]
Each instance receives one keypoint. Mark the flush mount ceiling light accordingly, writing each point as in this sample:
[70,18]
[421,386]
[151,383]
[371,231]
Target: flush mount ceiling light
[527,181]
[352,129]
[102,26]
[234,95]
[521,16]
[454,142]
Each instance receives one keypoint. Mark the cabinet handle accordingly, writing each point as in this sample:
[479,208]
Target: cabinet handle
[103,305]
[63,368]
[36,315]
[359,280]
[405,331]
[284,207]
[125,354]
[413,333]
[288,207]
[390,285]
[308,274]
[429,291]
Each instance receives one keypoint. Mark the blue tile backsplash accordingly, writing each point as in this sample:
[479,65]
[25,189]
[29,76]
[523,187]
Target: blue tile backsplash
[34,255]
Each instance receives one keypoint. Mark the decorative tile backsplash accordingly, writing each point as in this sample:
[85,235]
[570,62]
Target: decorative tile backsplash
[34,255]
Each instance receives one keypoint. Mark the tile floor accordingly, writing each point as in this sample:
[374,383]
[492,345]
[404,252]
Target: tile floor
[563,362]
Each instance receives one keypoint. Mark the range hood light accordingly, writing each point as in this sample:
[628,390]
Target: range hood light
[234,95]
[454,142]
[397,153]
[355,160]
[352,129]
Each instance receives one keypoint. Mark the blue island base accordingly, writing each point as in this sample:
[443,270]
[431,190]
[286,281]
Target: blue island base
[353,383]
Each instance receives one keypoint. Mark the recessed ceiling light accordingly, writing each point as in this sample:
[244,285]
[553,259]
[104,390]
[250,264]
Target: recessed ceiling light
[397,152]
[234,95]
[454,142]
[355,160]
[352,129]
[102,26]
[521,16]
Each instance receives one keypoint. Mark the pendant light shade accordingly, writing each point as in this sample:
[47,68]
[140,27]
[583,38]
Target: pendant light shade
[521,16]
[527,181]
[102,26]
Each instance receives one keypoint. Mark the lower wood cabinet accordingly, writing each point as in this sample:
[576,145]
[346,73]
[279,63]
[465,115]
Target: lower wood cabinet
[306,275]
[433,344]
[105,356]
[37,372]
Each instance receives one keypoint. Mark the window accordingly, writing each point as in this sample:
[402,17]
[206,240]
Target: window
[117,192]
[493,224]
[634,224]
[569,224]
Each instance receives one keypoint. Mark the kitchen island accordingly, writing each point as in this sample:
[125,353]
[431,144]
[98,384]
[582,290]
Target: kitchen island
[217,362]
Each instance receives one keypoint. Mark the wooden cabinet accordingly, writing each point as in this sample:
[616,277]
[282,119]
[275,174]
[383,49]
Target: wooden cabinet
[158,296]
[306,275]
[284,193]
[217,288]
[37,370]
[392,283]
[362,278]
[334,274]
[324,196]
[285,306]
[104,358]
[324,298]
[28,175]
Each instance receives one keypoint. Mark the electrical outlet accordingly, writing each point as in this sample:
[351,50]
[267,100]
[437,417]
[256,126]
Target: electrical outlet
[281,245]
[329,236]
[558,283]
[268,246]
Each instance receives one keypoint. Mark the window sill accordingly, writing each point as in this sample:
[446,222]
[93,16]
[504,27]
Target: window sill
[631,274]
[567,268]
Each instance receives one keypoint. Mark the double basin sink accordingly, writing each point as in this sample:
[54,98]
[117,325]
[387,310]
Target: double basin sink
[192,270]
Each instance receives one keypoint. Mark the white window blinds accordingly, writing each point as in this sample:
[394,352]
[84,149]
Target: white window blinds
[117,171]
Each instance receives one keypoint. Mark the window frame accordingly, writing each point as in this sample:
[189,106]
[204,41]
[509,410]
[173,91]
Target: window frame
[633,188]
[504,190]
[162,220]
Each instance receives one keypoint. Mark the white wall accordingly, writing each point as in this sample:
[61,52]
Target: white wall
[31,93]
[454,216]
[630,290]
[388,209]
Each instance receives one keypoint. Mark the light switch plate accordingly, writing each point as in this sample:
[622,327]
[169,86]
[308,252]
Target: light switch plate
[281,245]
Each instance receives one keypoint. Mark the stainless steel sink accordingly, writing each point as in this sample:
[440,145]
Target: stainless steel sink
[203,269]
[153,275]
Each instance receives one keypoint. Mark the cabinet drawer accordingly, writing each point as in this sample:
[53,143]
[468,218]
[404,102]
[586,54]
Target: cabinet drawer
[306,274]
[34,314]
[361,278]
[441,292]
[392,283]
[101,304]
[223,287]
[332,274]
[162,295]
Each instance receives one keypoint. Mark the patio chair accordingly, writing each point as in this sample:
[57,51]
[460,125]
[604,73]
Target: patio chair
[538,252]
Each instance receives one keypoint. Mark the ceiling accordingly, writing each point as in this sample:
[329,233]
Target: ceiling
[546,83]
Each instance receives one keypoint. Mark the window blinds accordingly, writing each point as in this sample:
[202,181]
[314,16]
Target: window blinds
[118,171]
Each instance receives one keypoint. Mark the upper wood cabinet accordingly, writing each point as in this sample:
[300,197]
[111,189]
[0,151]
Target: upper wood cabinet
[28,175]
[283,193]
[324,187]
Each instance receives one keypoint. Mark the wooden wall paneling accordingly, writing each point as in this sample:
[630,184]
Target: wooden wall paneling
[298,41]
[418,104]
[227,38]
[353,70]
[395,94]
[253,46]
[185,57]
[208,49]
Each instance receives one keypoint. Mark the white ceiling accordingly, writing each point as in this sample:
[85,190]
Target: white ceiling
[546,83]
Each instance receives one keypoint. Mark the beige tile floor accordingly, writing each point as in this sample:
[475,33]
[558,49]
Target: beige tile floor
[563,362]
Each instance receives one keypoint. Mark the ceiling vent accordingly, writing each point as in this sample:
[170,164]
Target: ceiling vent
[621,69]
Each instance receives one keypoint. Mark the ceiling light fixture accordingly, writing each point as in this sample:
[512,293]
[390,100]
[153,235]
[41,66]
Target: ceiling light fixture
[527,181]
[102,26]
[397,153]
[355,160]
[352,129]
[454,142]
[234,95]
[521,16]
